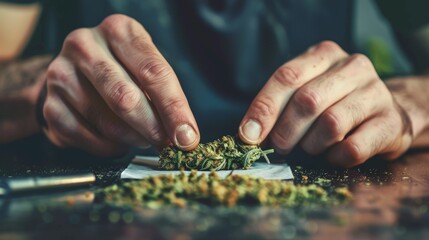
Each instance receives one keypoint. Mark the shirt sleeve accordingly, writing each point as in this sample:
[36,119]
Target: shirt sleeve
[405,16]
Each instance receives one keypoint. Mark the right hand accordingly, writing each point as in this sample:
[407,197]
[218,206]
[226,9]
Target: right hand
[110,88]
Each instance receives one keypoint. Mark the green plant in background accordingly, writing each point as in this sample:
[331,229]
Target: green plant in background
[381,56]
[227,153]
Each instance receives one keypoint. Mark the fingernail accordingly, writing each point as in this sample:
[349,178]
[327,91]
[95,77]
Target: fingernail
[185,136]
[251,131]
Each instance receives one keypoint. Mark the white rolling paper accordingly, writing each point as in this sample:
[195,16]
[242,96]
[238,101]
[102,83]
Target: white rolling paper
[143,166]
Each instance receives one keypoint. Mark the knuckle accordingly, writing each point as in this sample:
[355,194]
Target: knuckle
[354,152]
[78,42]
[307,101]
[56,72]
[123,28]
[52,72]
[328,49]
[116,22]
[333,126]
[49,111]
[329,46]
[143,44]
[57,122]
[264,107]
[104,71]
[279,140]
[124,99]
[156,134]
[174,106]
[361,60]
[287,76]
[153,71]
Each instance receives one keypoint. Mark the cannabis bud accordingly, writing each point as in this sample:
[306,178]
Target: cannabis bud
[192,190]
[227,153]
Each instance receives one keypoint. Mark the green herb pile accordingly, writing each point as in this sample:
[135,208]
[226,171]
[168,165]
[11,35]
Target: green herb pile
[227,153]
[188,190]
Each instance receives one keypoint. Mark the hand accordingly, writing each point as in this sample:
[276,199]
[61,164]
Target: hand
[328,102]
[110,88]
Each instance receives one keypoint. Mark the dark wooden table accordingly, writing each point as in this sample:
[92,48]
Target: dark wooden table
[391,201]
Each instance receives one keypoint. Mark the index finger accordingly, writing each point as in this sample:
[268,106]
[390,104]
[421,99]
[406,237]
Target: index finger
[133,46]
[276,93]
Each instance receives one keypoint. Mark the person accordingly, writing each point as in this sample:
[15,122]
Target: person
[278,72]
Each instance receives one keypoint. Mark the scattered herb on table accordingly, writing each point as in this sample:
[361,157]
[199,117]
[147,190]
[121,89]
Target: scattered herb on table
[227,153]
[192,189]
[323,181]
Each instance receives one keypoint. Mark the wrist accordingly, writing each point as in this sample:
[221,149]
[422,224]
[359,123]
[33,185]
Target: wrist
[18,99]
[21,120]
[410,95]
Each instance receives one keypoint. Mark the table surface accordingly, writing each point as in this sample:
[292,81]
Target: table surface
[391,201]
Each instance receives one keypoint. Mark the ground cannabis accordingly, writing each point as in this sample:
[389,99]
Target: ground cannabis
[192,189]
[227,153]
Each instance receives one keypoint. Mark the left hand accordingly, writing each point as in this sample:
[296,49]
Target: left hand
[328,102]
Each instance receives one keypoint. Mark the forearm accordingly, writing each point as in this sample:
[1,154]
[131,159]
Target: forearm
[412,94]
[20,85]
